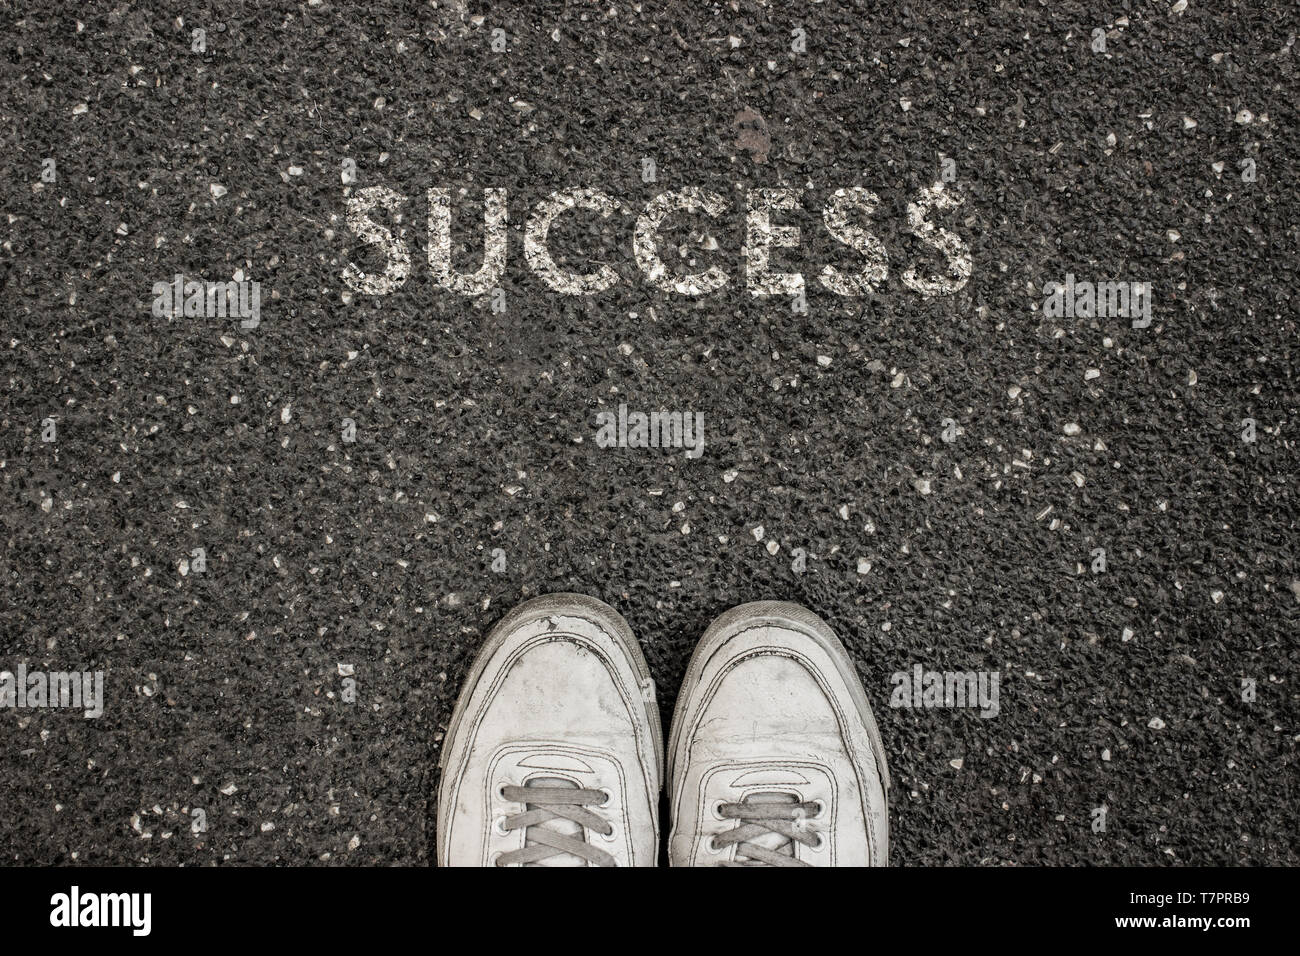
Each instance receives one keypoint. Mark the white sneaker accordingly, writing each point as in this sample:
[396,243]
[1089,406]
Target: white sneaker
[774,757]
[553,755]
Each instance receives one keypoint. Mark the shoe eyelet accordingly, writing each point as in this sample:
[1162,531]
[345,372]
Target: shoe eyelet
[500,827]
[717,809]
[820,841]
[608,797]
[821,808]
[712,845]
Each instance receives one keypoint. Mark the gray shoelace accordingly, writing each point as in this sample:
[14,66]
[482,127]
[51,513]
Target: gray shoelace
[760,814]
[555,800]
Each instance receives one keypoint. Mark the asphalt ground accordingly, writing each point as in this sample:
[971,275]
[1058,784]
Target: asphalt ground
[475,429]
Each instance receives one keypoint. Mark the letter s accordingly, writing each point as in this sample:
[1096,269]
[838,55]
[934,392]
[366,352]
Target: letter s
[840,225]
[956,252]
[395,250]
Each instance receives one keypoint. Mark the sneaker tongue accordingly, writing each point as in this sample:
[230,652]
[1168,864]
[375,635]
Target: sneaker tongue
[567,827]
[771,796]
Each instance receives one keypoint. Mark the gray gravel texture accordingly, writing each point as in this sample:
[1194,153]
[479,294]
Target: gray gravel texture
[475,429]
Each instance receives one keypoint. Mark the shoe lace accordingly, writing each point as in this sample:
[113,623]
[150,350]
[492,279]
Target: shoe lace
[763,813]
[551,799]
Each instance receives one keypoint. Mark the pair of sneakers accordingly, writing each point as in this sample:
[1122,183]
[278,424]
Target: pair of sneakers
[554,755]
